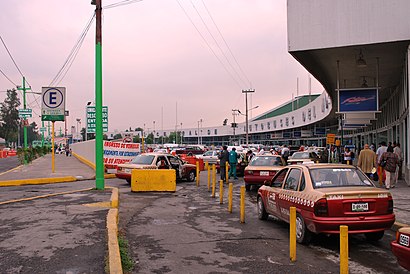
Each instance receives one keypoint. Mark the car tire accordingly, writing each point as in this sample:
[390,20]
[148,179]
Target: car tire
[247,187]
[191,176]
[374,236]
[128,181]
[262,214]
[303,235]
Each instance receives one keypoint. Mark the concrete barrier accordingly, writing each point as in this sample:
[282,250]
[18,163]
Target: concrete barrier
[143,180]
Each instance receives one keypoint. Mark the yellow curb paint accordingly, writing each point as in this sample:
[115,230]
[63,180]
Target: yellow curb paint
[114,257]
[43,196]
[13,169]
[99,204]
[114,201]
[85,161]
[109,176]
[38,181]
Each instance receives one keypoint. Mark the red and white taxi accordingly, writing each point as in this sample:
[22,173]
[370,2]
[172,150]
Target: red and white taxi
[327,196]
[401,247]
[262,168]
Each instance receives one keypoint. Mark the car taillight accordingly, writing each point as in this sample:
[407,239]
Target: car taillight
[390,205]
[321,208]
[397,236]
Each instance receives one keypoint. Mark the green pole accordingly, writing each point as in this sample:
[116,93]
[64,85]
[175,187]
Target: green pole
[42,133]
[99,156]
[25,145]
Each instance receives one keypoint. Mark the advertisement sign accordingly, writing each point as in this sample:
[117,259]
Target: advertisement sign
[91,119]
[53,104]
[320,131]
[120,153]
[358,100]
[306,133]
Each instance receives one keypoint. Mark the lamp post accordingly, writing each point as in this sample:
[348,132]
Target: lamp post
[246,91]
[153,123]
[181,134]
[78,122]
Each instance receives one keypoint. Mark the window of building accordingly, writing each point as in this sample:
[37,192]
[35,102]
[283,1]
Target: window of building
[268,124]
[216,131]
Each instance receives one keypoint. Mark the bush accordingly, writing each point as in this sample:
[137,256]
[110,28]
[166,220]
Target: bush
[31,153]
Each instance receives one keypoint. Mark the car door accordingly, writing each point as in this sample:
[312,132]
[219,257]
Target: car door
[273,192]
[289,192]
[176,164]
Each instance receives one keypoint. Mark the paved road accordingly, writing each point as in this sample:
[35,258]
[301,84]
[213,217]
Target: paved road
[190,232]
[8,163]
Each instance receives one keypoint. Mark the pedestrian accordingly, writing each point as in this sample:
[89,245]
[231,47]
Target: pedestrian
[367,160]
[380,150]
[249,156]
[223,159]
[285,153]
[67,150]
[392,161]
[347,156]
[233,161]
[398,152]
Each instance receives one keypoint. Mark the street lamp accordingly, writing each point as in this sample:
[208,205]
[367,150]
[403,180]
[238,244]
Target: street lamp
[154,130]
[246,91]
[78,122]
[199,134]
[181,134]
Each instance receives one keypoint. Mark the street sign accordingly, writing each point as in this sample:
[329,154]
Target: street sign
[53,104]
[330,139]
[91,119]
[25,113]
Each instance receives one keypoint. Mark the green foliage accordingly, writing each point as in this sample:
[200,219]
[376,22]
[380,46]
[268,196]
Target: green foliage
[117,136]
[126,261]
[9,117]
[31,153]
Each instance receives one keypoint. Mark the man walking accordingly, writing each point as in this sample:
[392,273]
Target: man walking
[233,161]
[382,149]
[223,159]
[367,160]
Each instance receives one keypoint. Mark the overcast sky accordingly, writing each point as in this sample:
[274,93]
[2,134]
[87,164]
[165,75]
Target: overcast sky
[154,58]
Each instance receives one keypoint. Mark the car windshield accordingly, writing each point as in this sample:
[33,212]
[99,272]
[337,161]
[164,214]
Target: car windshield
[208,153]
[338,177]
[265,161]
[143,160]
[300,155]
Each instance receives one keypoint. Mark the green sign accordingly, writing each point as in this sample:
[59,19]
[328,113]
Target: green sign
[53,107]
[25,113]
[91,119]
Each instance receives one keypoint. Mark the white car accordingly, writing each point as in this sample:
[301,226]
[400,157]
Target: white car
[211,156]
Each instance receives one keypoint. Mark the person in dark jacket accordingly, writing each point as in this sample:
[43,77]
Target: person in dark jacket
[392,161]
[223,159]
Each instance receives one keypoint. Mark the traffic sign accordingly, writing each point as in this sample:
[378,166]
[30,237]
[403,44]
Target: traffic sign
[25,113]
[91,119]
[330,139]
[53,104]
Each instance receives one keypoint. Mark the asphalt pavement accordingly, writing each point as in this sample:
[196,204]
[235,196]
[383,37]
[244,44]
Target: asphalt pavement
[66,233]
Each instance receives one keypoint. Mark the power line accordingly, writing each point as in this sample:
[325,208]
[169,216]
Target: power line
[4,44]
[229,49]
[217,44]
[7,78]
[71,57]
[121,3]
[206,42]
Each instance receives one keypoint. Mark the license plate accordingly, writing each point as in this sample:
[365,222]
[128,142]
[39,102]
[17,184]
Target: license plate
[360,207]
[404,240]
[264,173]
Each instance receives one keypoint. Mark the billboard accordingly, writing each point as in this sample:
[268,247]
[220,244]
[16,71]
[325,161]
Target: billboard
[358,100]
[120,153]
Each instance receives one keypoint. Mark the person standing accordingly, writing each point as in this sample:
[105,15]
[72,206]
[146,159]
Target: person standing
[347,156]
[382,149]
[223,159]
[233,161]
[392,161]
[367,160]
[285,153]
[398,152]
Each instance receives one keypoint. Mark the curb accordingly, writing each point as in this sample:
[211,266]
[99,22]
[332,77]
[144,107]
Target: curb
[83,160]
[38,181]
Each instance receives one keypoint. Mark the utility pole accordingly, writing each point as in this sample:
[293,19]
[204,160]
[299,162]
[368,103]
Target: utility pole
[24,123]
[99,156]
[246,104]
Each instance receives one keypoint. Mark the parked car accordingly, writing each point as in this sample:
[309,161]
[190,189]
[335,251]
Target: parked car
[211,156]
[194,150]
[327,196]
[262,168]
[401,247]
[303,157]
[152,160]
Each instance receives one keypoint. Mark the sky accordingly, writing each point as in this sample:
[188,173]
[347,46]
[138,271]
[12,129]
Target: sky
[156,63]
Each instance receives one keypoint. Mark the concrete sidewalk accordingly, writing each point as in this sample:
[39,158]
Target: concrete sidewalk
[41,168]
[401,202]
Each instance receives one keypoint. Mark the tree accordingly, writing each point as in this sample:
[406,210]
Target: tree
[117,136]
[9,116]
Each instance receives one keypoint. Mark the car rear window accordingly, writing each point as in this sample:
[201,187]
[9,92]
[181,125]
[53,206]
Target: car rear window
[338,177]
[265,161]
[143,160]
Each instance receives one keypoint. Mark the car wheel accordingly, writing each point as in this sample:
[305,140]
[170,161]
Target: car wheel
[374,236]
[262,214]
[191,176]
[247,187]
[303,235]
[128,180]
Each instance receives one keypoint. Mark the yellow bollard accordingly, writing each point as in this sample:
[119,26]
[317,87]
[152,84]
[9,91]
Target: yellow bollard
[292,236]
[213,175]
[227,172]
[221,192]
[348,162]
[197,173]
[206,164]
[209,178]
[344,249]
[242,204]
[230,195]
[213,188]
